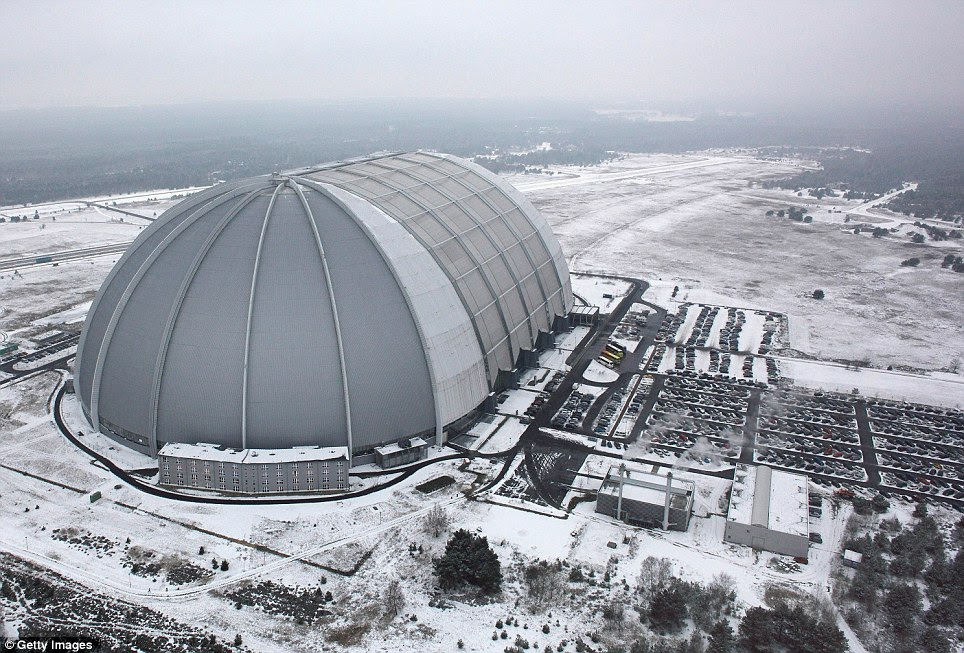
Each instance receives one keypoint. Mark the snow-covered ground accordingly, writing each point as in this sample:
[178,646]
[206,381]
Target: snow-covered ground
[690,221]
[604,293]
[701,228]
[936,388]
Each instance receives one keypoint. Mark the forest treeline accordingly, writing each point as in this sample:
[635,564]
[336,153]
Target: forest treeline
[64,153]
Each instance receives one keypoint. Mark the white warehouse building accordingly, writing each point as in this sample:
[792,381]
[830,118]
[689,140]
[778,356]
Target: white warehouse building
[769,511]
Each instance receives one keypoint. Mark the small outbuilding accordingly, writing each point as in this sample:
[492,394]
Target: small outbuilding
[407,450]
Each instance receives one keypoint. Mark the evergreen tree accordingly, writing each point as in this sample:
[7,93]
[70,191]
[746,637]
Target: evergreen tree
[667,610]
[757,630]
[468,559]
[721,638]
[902,605]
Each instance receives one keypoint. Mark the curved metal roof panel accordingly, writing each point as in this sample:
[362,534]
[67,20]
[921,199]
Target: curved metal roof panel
[495,248]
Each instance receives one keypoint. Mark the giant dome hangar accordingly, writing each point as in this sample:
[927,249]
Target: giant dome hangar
[348,306]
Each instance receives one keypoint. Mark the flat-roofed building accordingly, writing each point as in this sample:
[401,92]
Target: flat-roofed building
[583,315]
[642,498]
[253,471]
[407,450]
[769,511]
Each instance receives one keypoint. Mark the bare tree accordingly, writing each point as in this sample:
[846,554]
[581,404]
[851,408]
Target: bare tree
[436,520]
[614,614]
[394,597]
[654,573]
[544,584]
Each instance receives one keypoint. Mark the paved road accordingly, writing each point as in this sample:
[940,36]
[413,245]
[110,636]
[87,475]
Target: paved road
[107,207]
[595,178]
[67,255]
[751,427]
[867,442]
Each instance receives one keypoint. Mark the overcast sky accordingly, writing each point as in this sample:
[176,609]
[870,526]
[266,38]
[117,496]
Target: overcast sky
[102,53]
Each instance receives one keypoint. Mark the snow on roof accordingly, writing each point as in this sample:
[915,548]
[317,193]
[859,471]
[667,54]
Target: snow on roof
[203,451]
[584,310]
[295,454]
[853,556]
[789,505]
[646,487]
[741,496]
[218,453]
[771,498]
[395,447]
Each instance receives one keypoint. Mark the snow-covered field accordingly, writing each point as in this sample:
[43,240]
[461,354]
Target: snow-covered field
[691,221]
[937,388]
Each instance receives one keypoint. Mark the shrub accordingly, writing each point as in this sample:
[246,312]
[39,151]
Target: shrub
[910,262]
[348,635]
[818,294]
[880,503]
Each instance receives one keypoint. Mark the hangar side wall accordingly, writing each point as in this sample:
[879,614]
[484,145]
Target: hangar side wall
[760,537]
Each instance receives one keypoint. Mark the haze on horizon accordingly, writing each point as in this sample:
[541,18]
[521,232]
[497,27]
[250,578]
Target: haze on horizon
[738,55]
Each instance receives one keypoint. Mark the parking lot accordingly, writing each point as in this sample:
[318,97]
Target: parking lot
[810,432]
[919,448]
[678,398]
[51,347]
[723,340]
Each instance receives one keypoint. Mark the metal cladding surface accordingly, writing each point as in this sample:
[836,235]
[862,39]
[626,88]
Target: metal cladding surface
[351,304]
